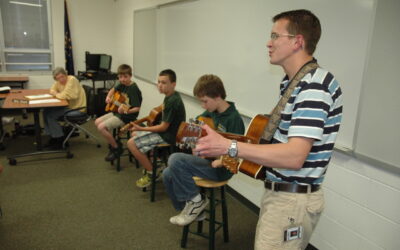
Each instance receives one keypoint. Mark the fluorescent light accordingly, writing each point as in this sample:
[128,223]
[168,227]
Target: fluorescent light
[27,4]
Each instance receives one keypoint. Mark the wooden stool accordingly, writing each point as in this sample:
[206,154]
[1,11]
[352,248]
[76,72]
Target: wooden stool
[160,151]
[209,185]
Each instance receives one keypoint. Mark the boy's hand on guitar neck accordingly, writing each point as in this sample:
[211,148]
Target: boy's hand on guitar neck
[211,145]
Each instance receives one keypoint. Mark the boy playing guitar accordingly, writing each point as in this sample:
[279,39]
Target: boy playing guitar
[122,114]
[177,178]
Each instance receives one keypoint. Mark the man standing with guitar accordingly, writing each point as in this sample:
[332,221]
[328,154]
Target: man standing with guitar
[126,112]
[177,178]
[301,134]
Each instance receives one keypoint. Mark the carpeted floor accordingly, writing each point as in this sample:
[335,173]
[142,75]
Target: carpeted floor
[84,203]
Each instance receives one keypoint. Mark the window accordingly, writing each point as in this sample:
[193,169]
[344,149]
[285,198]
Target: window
[25,36]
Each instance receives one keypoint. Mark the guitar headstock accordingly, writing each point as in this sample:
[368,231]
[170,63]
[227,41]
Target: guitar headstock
[189,133]
[230,163]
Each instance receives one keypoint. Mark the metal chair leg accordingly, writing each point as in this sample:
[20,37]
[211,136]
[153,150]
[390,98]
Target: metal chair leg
[211,230]
[154,175]
[224,215]
[184,236]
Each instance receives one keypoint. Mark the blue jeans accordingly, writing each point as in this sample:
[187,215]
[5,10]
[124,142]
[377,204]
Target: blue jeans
[51,116]
[51,125]
[177,177]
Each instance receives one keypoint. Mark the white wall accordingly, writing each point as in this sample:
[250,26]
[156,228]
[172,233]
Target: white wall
[362,200]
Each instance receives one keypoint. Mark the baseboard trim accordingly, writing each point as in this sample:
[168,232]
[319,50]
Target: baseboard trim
[250,205]
[243,200]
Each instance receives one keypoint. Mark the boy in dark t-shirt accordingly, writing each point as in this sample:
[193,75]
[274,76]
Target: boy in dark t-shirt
[145,138]
[178,176]
[126,112]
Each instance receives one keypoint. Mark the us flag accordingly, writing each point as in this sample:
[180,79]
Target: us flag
[69,60]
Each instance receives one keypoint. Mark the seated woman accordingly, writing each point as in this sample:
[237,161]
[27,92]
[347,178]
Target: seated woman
[68,88]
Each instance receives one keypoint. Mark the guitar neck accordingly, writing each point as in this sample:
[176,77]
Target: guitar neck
[144,119]
[237,137]
[129,125]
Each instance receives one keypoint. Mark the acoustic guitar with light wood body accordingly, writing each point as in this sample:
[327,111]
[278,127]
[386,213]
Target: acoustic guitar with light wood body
[117,100]
[189,133]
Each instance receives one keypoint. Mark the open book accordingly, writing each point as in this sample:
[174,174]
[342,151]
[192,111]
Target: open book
[33,97]
[44,101]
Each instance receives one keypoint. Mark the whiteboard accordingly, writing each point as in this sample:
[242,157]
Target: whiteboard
[144,44]
[378,133]
[228,38]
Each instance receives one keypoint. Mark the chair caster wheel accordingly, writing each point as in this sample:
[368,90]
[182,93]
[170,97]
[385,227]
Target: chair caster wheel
[70,155]
[12,161]
[98,145]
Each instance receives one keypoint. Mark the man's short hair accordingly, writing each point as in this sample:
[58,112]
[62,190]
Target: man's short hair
[59,70]
[209,85]
[170,73]
[124,69]
[302,22]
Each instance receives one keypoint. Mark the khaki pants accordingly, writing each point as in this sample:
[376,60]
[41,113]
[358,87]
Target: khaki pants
[281,211]
[111,121]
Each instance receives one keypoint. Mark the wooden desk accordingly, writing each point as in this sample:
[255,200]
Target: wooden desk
[9,103]
[14,80]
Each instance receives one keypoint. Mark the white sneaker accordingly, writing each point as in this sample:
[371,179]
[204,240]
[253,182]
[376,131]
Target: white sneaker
[202,216]
[192,211]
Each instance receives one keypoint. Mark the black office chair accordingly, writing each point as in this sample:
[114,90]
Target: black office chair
[74,118]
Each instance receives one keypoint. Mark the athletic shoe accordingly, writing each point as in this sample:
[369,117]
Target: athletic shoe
[202,216]
[191,211]
[145,181]
[110,156]
[159,173]
[114,154]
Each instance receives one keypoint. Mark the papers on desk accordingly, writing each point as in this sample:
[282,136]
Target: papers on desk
[33,97]
[44,101]
[5,89]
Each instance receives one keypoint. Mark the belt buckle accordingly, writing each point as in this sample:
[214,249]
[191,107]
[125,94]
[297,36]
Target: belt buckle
[271,184]
[300,188]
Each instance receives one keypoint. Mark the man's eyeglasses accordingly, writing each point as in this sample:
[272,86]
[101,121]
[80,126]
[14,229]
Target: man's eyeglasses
[275,36]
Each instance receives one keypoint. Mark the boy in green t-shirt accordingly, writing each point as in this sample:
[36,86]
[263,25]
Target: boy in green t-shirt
[145,138]
[177,178]
[112,120]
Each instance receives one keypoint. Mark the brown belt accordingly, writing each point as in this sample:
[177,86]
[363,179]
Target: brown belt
[291,187]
